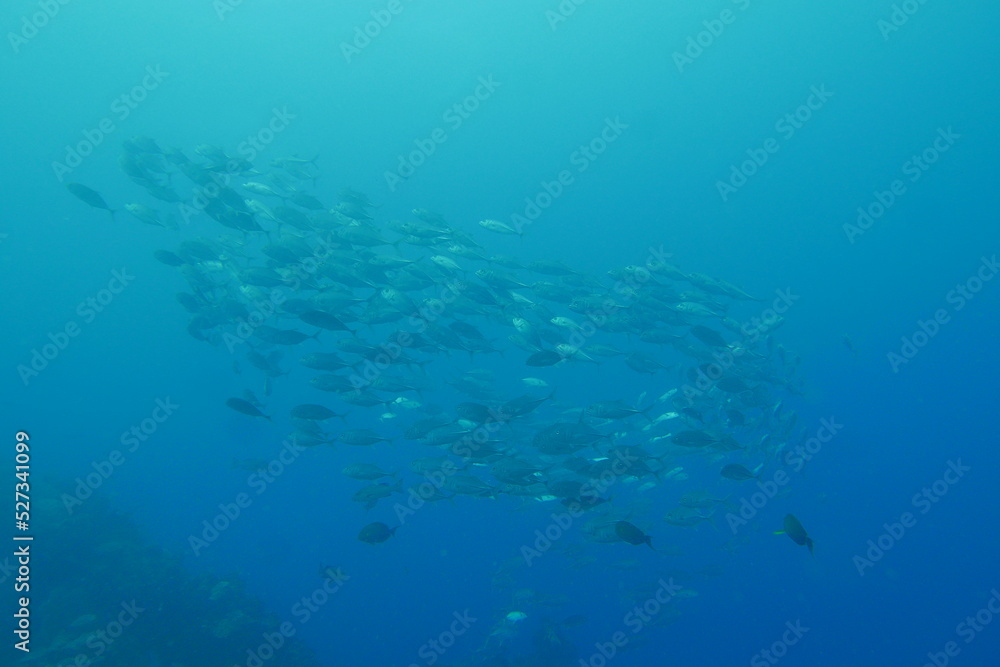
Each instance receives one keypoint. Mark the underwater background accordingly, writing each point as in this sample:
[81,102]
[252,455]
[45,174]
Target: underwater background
[836,160]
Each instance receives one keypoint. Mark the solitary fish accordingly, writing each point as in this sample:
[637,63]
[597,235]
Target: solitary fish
[794,529]
[375,533]
[629,533]
[245,407]
[90,197]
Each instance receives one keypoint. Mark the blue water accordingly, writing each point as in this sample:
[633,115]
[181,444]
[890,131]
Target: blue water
[678,128]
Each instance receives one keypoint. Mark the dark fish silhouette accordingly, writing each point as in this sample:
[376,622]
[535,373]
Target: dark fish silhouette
[245,407]
[737,472]
[376,533]
[629,533]
[794,529]
[89,197]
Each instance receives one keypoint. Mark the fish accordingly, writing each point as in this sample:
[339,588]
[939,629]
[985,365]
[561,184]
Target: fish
[735,471]
[90,197]
[323,320]
[324,361]
[169,258]
[693,439]
[307,277]
[245,407]
[613,410]
[364,471]
[500,227]
[150,217]
[314,412]
[371,494]
[708,336]
[544,358]
[794,530]
[685,517]
[360,437]
[376,533]
[627,532]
